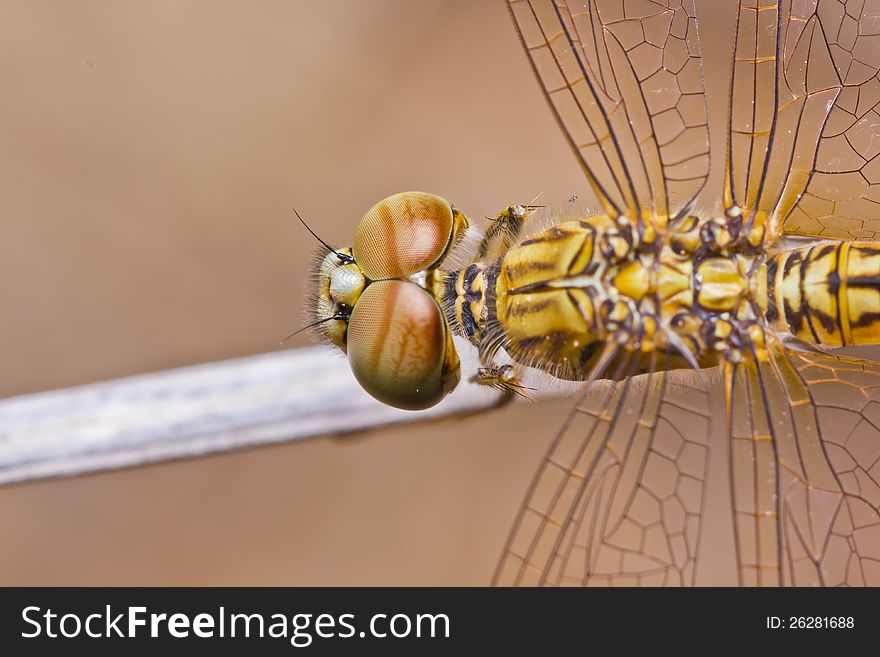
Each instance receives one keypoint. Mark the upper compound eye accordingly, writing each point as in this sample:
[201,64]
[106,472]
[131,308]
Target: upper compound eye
[403,234]
[397,345]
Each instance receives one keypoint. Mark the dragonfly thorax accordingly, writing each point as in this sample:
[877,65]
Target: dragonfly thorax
[557,298]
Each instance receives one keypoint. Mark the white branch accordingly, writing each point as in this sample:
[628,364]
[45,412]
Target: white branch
[191,411]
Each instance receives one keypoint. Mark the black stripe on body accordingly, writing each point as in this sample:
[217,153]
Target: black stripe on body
[772,313]
[574,302]
[554,233]
[834,276]
[835,288]
[518,269]
[591,264]
[540,286]
[825,250]
[864,281]
[805,306]
[865,320]
[828,322]
[527,308]
[794,318]
[792,260]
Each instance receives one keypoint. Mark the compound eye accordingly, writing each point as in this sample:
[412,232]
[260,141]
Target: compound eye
[396,345]
[403,234]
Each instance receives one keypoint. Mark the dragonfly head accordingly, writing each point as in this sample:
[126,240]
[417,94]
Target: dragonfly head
[376,300]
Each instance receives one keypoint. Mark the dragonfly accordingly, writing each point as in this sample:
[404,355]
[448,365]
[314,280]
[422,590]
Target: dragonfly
[704,335]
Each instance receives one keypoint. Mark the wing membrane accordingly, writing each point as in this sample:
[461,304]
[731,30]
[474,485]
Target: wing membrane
[618,498]
[621,496]
[754,479]
[831,508]
[805,463]
[624,80]
[803,131]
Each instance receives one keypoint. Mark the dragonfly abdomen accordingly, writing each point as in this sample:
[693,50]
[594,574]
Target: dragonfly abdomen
[827,294]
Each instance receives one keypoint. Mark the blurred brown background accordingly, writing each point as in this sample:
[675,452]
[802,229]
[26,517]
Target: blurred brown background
[149,156]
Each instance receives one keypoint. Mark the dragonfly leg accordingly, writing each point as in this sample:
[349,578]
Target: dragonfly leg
[503,230]
[503,378]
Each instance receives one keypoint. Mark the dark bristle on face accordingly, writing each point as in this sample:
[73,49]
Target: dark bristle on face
[312,295]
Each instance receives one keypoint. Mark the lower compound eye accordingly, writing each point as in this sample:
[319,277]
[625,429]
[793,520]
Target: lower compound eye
[396,343]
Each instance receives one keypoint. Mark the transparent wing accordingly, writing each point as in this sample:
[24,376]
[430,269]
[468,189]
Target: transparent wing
[618,499]
[804,131]
[621,498]
[624,80]
[805,470]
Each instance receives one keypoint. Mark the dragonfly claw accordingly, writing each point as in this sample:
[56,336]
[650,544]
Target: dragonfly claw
[502,378]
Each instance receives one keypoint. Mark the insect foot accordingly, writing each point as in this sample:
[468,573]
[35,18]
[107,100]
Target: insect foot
[503,378]
[504,229]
